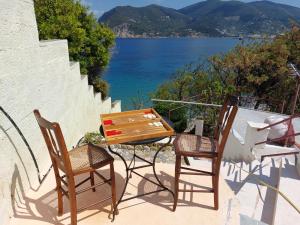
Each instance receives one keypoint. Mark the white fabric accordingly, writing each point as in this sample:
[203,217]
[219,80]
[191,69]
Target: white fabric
[278,130]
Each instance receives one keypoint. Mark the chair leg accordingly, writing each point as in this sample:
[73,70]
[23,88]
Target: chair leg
[73,203]
[113,188]
[92,180]
[60,201]
[176,183]
[59,193]
[213,171]
[216,191]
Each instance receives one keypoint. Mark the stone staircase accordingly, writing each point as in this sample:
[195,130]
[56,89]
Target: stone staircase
[38,74]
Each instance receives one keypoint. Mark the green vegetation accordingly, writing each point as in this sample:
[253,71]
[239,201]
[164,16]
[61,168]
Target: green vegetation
[210,18]
[139,101]
[89,42]
[257,70]
[94,138]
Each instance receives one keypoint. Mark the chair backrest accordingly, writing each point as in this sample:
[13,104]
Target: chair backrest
[230,101]
[56,144]
[226,119]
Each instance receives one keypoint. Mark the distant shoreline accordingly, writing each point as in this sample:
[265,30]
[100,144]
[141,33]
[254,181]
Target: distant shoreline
[202,37]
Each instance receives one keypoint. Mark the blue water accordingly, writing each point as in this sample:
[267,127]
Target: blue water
[139,66]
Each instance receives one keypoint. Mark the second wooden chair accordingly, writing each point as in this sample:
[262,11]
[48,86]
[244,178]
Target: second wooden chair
[188,145]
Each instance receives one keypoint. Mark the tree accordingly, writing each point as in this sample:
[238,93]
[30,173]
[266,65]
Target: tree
[292,41]
[258,70]
[191,84]
[89,42]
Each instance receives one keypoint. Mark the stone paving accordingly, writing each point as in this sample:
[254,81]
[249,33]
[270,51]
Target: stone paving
[167,155]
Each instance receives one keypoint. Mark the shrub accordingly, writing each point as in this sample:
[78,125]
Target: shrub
[89,42]
[92,138]
[101,86]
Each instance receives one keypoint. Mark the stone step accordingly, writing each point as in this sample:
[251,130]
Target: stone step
[54,51]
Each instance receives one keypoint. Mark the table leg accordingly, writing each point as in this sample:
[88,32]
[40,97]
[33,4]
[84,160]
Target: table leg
[154,170]
[126,181]
[133,159]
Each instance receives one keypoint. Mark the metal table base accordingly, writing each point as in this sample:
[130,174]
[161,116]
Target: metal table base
[131,168]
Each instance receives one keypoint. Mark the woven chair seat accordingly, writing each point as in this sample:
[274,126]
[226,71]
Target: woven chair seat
[88,157]
[193,145]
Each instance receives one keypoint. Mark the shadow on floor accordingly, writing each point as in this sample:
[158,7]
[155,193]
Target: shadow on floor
[253,174]
[165,199]
[43,207]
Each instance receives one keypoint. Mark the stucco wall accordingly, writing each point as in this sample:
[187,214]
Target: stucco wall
[37,75]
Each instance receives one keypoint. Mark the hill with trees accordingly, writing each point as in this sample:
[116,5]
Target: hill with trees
[207,18]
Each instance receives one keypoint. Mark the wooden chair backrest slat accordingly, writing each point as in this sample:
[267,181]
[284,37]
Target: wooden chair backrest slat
[55,144]
[227,106]
[225,133]
[227,128]
[225,121]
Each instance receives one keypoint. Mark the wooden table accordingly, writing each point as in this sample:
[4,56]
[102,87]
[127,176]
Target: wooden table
[136,127]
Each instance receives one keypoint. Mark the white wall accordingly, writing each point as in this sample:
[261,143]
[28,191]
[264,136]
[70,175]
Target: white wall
[234,150]
[37,75]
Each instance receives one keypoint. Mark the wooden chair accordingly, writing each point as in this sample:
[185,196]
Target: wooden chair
[188,145]
[68,164]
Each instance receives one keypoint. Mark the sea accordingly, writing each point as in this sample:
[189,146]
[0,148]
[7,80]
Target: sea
[138,66]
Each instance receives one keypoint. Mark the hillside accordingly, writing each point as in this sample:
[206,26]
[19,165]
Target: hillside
[153,20]
[207,18]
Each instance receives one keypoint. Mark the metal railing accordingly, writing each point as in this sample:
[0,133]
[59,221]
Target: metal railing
[40,177]
[265,104]
[186,102]
[193,110]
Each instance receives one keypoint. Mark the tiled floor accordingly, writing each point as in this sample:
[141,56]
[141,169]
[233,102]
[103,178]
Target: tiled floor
[39,207]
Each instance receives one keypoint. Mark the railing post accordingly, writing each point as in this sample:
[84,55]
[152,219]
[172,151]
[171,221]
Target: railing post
[296,96]
[282,106]
[287,133]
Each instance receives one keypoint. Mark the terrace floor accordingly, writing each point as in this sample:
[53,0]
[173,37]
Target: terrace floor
[40,207]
